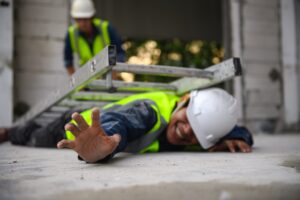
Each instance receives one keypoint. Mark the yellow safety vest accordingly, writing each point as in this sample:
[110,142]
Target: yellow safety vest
[81,47]
[163,104]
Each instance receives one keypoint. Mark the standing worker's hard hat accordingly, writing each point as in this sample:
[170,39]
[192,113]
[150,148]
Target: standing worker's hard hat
[212,113]
[82,9]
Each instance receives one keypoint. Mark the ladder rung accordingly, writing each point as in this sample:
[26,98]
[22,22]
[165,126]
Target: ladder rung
[86,104]
[162,70]
[136,86]
[99,96]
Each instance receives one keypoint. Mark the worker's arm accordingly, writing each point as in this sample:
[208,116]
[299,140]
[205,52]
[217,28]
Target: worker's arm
[239,139]
[130,122]
[68,56]
[116,40]
[91,142]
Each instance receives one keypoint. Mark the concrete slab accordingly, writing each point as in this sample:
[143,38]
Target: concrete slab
[270,172]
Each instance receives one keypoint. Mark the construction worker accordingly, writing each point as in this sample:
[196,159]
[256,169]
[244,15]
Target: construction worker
[88,36]
[148,122]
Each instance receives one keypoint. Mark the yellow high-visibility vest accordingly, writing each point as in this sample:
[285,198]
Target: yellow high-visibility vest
[163,104]
[81,47]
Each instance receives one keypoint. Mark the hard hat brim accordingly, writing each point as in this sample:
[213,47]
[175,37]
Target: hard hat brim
[84,15]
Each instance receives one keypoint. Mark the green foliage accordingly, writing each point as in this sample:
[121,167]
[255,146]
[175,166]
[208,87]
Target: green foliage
[175,52]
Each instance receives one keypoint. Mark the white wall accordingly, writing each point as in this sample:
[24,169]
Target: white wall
[40,29]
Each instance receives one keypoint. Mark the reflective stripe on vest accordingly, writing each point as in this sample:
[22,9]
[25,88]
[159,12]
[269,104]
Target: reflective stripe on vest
[163,104]
[80,46]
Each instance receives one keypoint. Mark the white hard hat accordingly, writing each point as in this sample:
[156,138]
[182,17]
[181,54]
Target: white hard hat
[82,9]
[212,113]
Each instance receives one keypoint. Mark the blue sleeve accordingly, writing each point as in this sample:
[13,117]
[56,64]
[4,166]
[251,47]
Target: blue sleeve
[116,40]
[130,122]
[68,55]
[240,133]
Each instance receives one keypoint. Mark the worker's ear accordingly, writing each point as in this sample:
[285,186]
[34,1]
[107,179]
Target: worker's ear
[184,101]
[185,97]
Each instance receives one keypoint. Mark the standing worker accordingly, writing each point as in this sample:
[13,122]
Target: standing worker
[88,36]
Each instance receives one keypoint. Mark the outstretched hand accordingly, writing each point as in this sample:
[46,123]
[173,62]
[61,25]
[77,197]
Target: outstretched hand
[91,143]
[232,146]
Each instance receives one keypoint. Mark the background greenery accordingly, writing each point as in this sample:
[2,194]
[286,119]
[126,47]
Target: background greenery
[175,52]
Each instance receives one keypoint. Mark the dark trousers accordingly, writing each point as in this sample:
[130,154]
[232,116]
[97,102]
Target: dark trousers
[36,135]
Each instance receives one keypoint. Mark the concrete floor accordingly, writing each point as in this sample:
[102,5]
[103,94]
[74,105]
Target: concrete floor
[270,172]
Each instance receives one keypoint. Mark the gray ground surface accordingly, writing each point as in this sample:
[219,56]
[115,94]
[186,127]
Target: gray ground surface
[270,172]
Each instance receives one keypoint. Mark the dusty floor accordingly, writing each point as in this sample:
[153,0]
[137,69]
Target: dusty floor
[272,171]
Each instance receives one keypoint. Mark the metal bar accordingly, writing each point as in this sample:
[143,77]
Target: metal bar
[58,109]
[109,84]
[94,68]
[161,70]
[136,86]
[99,96]
[223,71]
[88,104]
[50,115]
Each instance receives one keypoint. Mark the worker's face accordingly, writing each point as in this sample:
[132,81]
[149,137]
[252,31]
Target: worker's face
[84,24]
[179,131]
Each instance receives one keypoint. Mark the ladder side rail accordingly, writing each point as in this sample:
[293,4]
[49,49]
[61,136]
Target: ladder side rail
[99,96]
[87,104]
[223,71]
[136,86]
[163,70]
[97,66]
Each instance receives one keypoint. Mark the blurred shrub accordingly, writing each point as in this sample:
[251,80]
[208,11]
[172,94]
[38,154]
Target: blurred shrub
[175,52]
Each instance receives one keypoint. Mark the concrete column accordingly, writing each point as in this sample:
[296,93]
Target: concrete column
[289,62]
[236,42]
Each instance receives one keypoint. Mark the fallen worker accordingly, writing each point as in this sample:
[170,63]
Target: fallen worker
[148,122]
